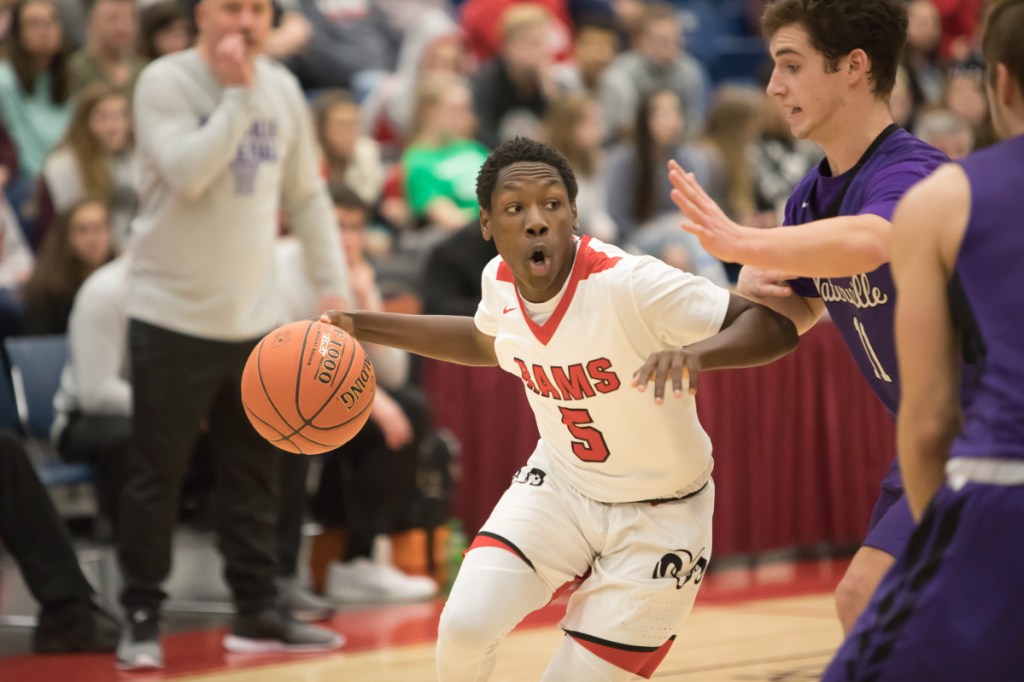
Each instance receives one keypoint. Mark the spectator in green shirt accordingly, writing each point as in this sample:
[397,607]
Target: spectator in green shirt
[441,163]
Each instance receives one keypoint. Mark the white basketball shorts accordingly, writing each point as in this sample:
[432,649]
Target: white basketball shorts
[640,563]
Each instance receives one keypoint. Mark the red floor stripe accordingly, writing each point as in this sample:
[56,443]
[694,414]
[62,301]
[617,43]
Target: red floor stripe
[191,653]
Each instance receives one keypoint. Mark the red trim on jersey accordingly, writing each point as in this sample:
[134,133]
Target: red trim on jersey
[588,262]
[642,661]
[505,273]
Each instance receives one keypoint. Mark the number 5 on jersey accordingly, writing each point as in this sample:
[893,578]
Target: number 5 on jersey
[589,443]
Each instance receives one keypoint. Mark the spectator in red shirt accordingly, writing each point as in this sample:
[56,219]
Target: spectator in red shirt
[481,19]
[960,20]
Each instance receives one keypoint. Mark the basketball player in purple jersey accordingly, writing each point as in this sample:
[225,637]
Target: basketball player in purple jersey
[952,608]
[835,66]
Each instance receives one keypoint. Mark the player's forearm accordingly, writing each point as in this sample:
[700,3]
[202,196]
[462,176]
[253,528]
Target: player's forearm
[923,444]
[756,337]
[835,247]
[803,314]
[442,337]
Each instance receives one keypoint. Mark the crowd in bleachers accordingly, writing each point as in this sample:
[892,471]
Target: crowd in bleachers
[406,98]
[409,96]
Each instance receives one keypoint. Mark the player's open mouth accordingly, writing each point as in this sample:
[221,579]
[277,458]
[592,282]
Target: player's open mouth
[540,262]
[794,111]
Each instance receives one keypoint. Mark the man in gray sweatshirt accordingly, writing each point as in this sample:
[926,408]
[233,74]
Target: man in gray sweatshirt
[224,142]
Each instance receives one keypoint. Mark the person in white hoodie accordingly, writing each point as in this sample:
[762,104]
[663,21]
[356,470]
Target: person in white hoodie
[433,43]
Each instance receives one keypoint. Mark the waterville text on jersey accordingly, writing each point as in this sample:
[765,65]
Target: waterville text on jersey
[860,293]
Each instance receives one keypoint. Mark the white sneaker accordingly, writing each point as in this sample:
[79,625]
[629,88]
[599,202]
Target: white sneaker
[364,581]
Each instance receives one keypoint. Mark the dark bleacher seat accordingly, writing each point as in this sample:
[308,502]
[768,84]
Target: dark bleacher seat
[36,363]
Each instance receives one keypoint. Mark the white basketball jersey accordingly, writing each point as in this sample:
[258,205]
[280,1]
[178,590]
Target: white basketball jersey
[597,433]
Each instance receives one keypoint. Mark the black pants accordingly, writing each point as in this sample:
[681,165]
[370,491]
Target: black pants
[369,488]
[294,469]
[33,533]
[103,442]
[179,381]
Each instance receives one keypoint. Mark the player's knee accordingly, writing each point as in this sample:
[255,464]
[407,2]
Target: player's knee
[464,630]
[852,595]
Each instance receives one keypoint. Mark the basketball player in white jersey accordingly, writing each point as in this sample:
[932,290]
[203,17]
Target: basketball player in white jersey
[618,490]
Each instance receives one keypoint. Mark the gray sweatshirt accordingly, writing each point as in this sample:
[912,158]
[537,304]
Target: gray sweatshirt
[214,167]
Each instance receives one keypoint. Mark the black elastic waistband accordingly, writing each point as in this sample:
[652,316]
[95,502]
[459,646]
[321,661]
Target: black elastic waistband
[666,500]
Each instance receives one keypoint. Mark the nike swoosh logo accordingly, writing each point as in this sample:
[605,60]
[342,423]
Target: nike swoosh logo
[507,310]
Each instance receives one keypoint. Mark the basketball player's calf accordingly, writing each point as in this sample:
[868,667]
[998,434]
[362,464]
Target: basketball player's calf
[859,582]
[889,529]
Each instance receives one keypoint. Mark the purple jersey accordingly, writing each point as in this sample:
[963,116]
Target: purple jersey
[989,270]
[862,306]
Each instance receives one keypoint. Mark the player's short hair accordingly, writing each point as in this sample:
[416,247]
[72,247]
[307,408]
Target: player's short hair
[838,27]
[521,150]
[1004,26]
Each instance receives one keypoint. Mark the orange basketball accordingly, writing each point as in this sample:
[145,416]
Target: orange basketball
[308,387]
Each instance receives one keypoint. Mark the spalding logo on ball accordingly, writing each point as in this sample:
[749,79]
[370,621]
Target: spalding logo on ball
[308,387]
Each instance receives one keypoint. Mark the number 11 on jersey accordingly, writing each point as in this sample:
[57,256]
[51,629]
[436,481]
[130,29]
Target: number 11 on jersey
[588,443]
[876,364]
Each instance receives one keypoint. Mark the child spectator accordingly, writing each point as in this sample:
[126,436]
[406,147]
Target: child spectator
[80,241]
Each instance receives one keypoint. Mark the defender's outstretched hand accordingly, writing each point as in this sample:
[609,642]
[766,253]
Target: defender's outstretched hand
[720,236]
[681,365]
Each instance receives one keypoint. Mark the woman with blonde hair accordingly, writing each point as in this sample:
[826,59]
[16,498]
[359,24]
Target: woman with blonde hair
[350,157]
[732,128]
[574,126]
[95,159]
